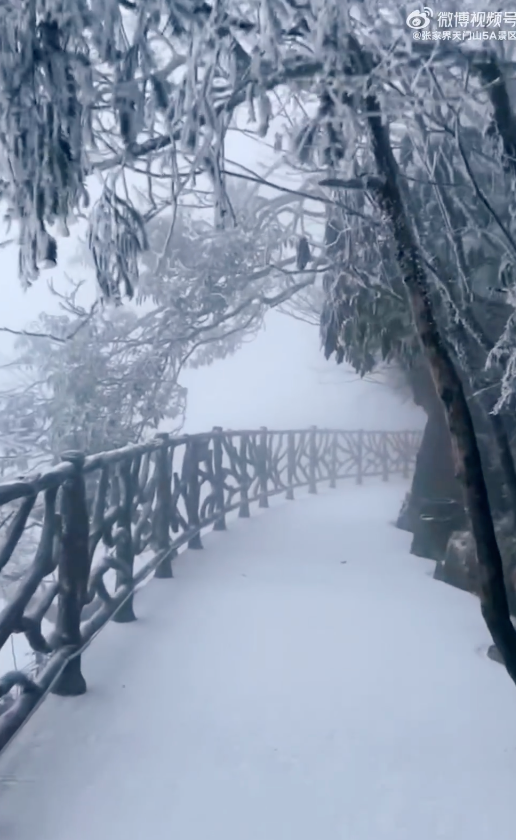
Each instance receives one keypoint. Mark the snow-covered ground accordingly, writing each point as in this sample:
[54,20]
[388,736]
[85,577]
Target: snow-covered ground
[303,677]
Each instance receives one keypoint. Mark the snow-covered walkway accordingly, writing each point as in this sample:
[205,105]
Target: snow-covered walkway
[303,678]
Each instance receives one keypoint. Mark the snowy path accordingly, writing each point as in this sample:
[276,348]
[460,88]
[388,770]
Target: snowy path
[303,678]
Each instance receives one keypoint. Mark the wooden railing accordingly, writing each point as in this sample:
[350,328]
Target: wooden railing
[108,521]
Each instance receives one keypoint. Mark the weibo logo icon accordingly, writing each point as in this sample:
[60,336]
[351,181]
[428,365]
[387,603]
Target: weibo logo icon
[420,19]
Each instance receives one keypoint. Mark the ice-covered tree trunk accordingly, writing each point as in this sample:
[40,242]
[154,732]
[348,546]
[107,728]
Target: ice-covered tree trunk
[434,474]
[494,602]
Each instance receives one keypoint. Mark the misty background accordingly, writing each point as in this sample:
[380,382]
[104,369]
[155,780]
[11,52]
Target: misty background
[279,378]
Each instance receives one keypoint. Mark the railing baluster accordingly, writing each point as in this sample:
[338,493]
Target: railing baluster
[74,571]
[385,458]
[360,456]
[193,491]
[291,464]
[218,477]
[97,516]
[312,460]
[124,541]
[263,467]
[243,510]
[163,508]
[333,461]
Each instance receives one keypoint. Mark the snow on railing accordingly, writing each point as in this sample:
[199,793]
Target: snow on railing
[108,521]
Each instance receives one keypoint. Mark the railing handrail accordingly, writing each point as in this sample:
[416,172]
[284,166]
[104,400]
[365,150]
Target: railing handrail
[27,485]
[138,500]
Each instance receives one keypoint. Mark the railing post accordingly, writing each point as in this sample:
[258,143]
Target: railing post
[333,461]
[263,467]
[124,550]
[163,509]
[312,460]
[73,574]
[218,476]
[385,457]
[243,510]
[360,455]
[193,491]
[291,465]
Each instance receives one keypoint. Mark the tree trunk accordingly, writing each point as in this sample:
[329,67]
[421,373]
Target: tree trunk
[434,474]
[494,602]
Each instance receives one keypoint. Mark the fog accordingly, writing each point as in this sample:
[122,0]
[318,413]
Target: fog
[278,379]
[281,380]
